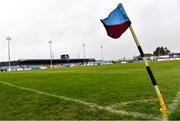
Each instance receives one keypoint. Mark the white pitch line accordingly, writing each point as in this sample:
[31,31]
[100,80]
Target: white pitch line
[173,106]
[131,102]
[91,105]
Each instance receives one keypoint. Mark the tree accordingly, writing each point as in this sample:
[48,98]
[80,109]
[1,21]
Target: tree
[161,51]
[167,51]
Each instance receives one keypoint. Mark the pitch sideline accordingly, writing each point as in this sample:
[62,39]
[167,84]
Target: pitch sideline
[91,105]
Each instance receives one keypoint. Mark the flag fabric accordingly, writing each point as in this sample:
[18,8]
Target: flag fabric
[117,22]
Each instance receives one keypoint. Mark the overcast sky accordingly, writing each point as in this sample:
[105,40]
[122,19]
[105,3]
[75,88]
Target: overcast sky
[71,23]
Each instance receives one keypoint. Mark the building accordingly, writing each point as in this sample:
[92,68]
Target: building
[176,55]
[148,56]
[28,64]
[172,56]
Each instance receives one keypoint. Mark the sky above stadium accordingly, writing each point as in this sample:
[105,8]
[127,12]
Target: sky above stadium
[71,23]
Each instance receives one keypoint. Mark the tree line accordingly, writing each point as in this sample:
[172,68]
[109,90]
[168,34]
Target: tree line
[161,51]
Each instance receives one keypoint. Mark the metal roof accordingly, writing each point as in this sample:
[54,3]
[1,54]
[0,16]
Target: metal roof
[46,61]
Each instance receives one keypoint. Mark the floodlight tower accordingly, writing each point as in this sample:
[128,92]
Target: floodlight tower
[50,52]
[84,52]
[102,54]
[78,55]
[9,54]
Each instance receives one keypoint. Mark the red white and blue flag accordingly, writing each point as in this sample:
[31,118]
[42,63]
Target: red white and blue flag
[117,22]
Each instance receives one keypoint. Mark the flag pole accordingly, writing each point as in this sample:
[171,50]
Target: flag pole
[153,80]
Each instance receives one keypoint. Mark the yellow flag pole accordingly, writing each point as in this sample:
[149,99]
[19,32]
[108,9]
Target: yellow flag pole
[153,80]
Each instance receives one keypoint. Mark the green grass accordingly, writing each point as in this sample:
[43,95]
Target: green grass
[103,85]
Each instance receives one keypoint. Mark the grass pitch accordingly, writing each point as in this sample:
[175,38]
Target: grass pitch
[120,87]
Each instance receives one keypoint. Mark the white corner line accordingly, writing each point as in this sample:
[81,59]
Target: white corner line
[131,102]
[175,103]
[91,105]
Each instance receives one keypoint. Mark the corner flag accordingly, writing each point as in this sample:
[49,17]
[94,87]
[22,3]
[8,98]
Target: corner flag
[116,24]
